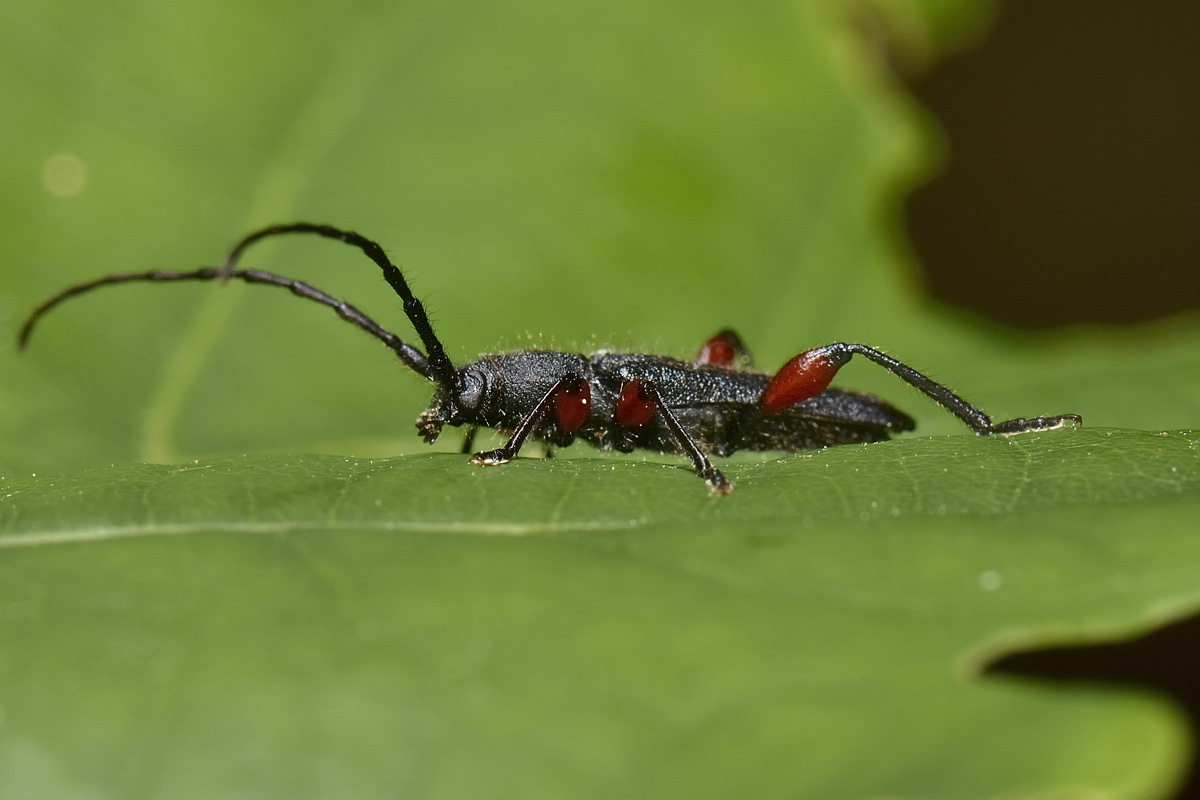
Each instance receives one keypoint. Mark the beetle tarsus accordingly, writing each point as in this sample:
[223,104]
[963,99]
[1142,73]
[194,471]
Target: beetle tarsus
[492,458]
[717,483]
[1012,427]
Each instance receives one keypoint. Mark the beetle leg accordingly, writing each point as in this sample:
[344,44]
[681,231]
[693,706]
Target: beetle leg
[468,441]
[410,356]
[639,401]
[810,373]
[568,387]
[725,349]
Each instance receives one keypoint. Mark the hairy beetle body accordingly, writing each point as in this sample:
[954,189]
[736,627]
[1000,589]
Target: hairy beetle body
[717,405]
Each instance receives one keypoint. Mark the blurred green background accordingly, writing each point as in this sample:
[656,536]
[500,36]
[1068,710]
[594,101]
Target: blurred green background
[567,176]
[633,178]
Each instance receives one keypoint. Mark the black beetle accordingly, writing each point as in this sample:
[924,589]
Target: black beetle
[713,405]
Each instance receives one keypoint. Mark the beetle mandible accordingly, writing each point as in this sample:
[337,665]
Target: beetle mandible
[711,406]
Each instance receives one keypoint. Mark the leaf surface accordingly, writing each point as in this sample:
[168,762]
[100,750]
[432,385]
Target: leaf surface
[599,625]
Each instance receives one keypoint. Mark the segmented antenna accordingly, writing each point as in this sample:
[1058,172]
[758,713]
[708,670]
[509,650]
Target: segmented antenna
[441,370]
[408,355]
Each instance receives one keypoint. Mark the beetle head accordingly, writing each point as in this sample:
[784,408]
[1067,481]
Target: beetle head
[462,406]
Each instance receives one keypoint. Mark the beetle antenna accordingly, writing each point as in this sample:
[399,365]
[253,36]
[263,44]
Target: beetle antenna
[410,356]
[440,369]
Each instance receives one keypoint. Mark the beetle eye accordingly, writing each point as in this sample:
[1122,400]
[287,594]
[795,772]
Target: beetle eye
[471,389]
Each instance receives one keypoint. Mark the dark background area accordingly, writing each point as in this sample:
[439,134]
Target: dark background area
[1072,195]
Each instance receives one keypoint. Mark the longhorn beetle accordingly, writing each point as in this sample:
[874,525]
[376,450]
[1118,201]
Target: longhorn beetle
[713,405]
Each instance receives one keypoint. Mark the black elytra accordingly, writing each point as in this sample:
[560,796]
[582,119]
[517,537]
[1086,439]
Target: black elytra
[713,405]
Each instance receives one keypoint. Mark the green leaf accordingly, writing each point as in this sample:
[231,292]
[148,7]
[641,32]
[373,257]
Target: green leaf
[595,627]
[635,176]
